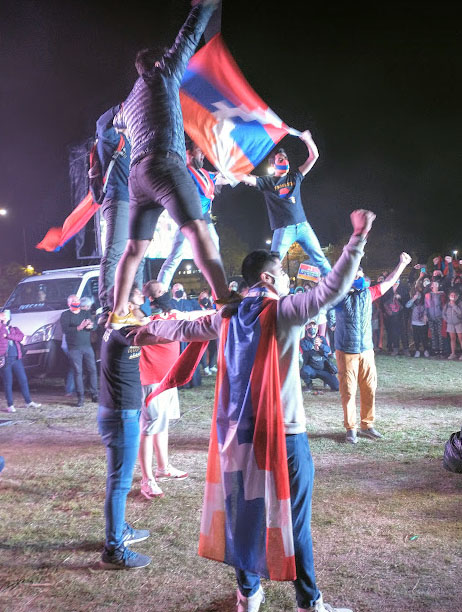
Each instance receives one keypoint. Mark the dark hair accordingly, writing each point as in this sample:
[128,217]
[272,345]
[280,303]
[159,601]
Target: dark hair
[272,157]
[146,58]
[255,263]
[189,143]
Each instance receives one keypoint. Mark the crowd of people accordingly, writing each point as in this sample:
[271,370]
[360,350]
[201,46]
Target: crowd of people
[267,336]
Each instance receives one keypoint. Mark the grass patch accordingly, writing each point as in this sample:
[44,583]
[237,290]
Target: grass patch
[386,516]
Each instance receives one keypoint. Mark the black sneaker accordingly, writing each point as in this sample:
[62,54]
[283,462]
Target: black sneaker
[94,399]
[123,558]
[79,402]
[131,535]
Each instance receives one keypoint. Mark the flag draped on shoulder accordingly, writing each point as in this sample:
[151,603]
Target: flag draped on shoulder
[246,519]
[224,116]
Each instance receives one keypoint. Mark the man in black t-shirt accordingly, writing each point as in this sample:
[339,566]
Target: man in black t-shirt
[119,410]
[281,191]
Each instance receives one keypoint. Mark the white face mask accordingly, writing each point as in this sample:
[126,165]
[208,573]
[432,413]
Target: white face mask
[281,283]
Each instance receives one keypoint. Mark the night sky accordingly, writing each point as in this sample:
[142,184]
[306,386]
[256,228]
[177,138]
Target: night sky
[379,88]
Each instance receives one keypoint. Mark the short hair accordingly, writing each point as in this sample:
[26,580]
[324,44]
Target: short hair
[189,143]
[273,156]
[86,301]
[255,263]
[146,58]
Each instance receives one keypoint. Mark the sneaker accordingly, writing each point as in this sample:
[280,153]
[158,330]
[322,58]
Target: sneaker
[123,558]
[80,402]
[371,433]
[426,354]
[214,369]
[94,399]
[9,409]
[320,606]
[151,489]
[351,436]
[170,472]
[250,604]
[207,371]
[34,405]
[117,322]
[452,356]
[417,354]
[132,536]
[460,358]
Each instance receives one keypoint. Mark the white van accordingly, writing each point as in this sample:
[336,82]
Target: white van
[36,305]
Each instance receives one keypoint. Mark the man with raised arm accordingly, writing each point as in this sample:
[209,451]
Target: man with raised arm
[355,350]
[158,177]
[287,218]
[257,503]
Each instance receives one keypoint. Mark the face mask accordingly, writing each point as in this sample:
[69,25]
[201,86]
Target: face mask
[283,167]
[311,331]
[146,307]
[178,294]
[163,302]
[426,283]
[281,283]
[205,303]
[360,283]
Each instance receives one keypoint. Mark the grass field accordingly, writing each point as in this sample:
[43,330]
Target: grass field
[387,523]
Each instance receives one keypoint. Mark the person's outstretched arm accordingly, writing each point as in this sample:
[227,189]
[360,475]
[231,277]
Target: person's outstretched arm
[298,308]
[313,152]
[404,260]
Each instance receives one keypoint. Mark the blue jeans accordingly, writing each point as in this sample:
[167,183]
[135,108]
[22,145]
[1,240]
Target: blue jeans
[115,213]
[79,358]
[284,237]
[16,367]
[175,257]
[301,477]
[120,432]
[69,381]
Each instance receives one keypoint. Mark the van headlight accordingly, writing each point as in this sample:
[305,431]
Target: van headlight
[43,334]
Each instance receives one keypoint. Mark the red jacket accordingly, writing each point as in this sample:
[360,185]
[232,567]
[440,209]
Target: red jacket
[10,333]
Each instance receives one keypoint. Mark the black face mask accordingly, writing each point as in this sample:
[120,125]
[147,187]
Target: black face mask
[178,294]
[162,302]
[146,307]
[205,303]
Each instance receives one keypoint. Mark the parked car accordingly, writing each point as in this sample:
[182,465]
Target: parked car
[36,305]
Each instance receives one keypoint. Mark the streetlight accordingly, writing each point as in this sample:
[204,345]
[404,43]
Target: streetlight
[455,254]
[3,212]
[267,241]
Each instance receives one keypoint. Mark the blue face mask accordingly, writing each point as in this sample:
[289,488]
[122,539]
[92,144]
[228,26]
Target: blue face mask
[360,283]
[146,307]
[283,167]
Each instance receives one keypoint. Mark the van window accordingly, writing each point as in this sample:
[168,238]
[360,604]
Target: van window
[42,295]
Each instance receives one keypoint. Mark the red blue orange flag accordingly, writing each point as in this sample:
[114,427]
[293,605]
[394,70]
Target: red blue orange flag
[246,519]
[224,116]
[56,237]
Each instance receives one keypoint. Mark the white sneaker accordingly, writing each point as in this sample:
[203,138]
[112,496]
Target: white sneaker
[320,606]
[150,489]
[170,472]
[207,371]
[426,354]
[34,405]
[250,604]
[214,369]
[9,409]
[417,354]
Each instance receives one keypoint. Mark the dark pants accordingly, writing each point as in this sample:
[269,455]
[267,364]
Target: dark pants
[16,367]
[79,358]
[395,332]
[209,358]
[120,433]
[307,374]
[115,213]
[301,477]
[420,335]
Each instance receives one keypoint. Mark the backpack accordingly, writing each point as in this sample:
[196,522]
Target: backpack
[98,181]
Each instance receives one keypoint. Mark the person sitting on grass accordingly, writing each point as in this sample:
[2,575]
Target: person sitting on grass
[315,359]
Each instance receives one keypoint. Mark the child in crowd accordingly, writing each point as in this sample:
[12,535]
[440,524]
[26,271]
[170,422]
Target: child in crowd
[452,314]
